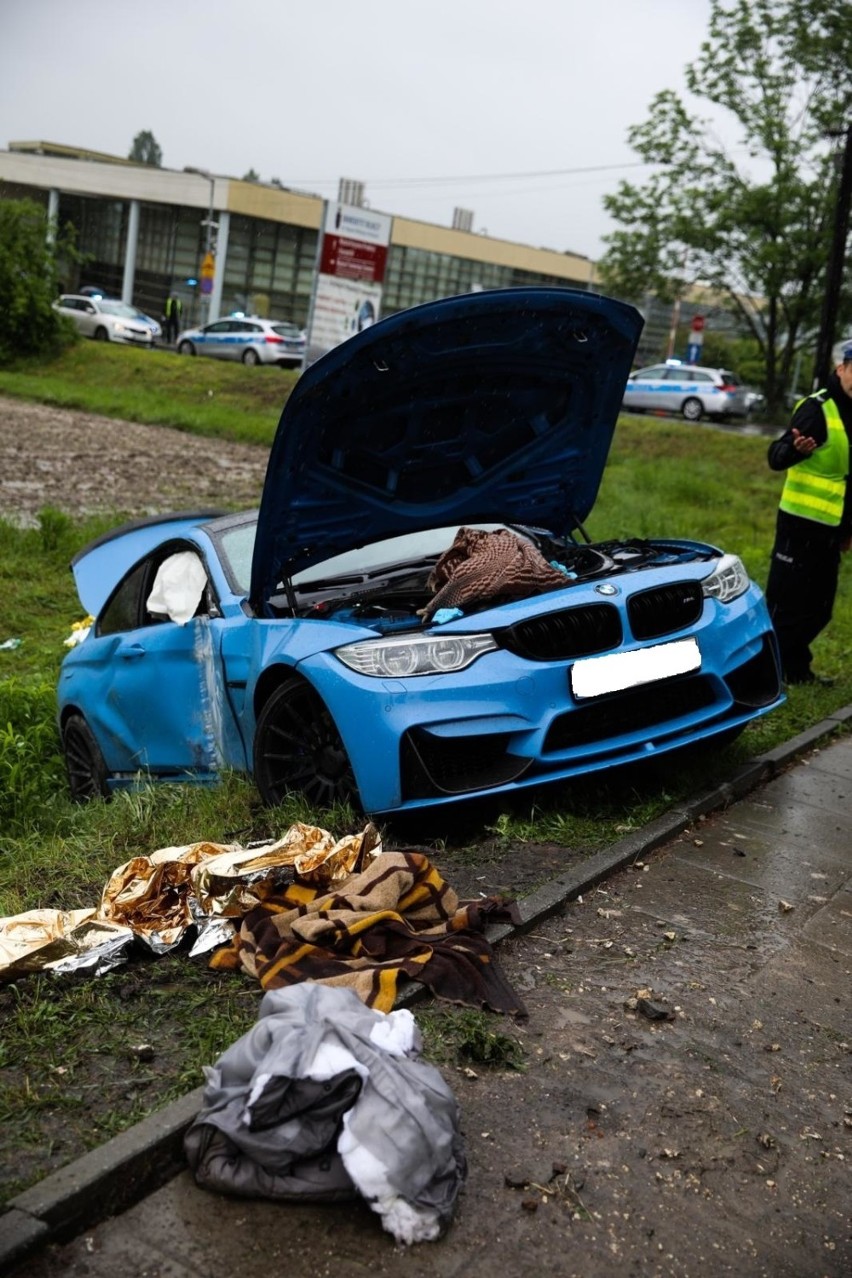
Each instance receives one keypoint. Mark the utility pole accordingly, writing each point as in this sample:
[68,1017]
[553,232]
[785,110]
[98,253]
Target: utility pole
[209,246]
[834,273]
[675,320]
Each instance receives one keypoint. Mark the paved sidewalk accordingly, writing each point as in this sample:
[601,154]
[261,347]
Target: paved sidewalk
[712,1140]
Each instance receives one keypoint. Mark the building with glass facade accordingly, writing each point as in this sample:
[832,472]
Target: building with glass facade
[143,232]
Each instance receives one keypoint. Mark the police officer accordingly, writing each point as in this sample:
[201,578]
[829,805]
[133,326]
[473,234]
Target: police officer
[172,313]
[814,519]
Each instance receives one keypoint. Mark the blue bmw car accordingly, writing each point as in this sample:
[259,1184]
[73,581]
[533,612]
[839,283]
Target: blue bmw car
[415,616]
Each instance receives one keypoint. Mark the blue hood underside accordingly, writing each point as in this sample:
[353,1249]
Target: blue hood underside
[490,407]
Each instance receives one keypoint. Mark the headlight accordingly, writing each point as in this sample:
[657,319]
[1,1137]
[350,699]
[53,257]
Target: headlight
[120,328]
[728,580]
[403,658]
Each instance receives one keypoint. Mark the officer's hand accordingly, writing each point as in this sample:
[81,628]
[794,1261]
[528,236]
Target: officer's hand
[803,444]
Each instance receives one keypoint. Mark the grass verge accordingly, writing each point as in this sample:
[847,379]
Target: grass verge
[203,396]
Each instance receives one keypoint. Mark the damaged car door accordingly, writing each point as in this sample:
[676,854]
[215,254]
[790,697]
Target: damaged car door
[152,671]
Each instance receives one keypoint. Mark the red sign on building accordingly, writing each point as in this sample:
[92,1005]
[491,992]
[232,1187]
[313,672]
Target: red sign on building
[353,259]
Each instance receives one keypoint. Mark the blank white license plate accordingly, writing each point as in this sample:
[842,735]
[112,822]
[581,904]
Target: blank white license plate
[593,676]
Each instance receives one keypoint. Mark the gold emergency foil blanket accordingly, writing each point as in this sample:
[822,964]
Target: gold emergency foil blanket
[157,898]
[232,884]
[41,939]
[150,894]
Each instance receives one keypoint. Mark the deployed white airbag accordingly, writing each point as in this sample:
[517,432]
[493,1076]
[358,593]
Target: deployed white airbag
[178,587]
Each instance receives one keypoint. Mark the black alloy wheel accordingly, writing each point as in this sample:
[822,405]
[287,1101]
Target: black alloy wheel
[84,763]
[297,748]
[101,335]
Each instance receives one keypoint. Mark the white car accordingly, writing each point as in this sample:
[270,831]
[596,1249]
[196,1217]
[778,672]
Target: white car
[246,338]
[106,319]
[154,325]
[694,392]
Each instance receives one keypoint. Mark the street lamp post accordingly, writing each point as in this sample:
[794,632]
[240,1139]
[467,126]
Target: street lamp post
[210,227]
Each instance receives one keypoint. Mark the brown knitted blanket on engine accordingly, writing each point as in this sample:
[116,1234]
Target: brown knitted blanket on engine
[487,568]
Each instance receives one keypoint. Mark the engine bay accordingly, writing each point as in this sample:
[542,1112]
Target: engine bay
[394,597]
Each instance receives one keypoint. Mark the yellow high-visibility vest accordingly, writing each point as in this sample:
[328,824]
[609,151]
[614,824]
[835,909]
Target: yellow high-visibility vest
[815,487]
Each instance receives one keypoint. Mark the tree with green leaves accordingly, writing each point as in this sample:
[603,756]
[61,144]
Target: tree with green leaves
[146,150]
[750,219]
[28,281]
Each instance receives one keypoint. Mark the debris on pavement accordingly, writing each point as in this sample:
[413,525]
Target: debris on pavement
[652,1009]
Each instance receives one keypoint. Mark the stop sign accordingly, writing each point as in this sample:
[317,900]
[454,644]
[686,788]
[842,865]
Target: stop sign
[697,324]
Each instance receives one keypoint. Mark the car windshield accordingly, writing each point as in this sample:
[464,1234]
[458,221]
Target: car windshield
[287,330]
[236,547]
[120,309]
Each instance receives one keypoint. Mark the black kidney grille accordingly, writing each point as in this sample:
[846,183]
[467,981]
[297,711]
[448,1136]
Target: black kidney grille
[665,609]
[575,632]
[633,711]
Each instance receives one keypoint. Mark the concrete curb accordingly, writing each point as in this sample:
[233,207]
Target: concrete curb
[133,1164]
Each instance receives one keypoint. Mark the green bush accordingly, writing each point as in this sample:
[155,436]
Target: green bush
[28,282]
[31,768]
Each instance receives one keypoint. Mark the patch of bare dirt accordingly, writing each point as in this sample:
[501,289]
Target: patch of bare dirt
[83,464]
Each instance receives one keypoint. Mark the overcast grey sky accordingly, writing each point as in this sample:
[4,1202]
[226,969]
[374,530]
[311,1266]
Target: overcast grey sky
[493,94]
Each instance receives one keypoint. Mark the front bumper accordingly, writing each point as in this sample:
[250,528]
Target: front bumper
[508,722]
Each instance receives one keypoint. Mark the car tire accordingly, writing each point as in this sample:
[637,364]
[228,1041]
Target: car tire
[186,348]
[250,357]
[101,335]
[84,763]
[297,748]
[692,409]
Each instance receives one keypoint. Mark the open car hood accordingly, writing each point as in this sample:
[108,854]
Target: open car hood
[489,407]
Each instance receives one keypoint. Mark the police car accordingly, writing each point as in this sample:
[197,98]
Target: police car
[692,391]
[246,338]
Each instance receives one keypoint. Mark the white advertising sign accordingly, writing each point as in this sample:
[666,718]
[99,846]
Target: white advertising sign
[347,293]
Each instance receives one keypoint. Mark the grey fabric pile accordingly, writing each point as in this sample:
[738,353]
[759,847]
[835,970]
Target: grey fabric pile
[324,1098]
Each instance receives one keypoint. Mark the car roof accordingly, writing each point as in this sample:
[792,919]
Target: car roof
[681,364]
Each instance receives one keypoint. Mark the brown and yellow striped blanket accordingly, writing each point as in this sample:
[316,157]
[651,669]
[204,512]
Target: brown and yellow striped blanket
[396,920]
